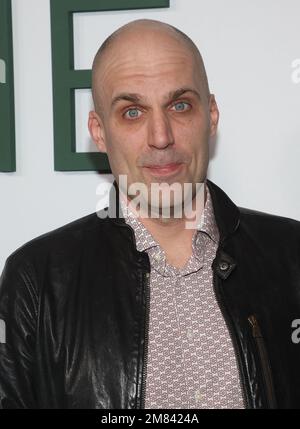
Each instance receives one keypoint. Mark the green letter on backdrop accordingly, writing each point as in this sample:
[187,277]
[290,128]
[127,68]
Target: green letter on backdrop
[66,80]
[7,115]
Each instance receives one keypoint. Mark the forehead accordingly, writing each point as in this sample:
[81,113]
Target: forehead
[136,62]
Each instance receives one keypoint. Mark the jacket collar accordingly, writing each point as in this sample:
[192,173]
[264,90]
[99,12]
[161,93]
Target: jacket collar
[226,213]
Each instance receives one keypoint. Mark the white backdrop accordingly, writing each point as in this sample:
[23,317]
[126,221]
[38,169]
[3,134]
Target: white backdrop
[248,47]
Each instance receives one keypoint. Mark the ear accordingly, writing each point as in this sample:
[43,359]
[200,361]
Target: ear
[96,128]
[214,115]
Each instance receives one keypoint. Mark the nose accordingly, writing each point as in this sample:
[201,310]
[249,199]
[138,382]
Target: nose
[160,134]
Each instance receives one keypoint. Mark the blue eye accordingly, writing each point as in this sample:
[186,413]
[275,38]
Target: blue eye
[181,106]
[132,113]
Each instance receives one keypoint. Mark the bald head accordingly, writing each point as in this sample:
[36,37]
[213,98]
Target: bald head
[134,33]
[154,114]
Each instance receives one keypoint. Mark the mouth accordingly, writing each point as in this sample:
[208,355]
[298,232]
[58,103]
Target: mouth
[164,170]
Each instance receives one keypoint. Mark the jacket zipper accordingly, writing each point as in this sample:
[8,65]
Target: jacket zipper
[147,313]
[265,365]
[243,378]
[146,340]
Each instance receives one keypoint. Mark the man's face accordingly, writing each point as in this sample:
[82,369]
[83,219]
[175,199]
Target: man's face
[156,118]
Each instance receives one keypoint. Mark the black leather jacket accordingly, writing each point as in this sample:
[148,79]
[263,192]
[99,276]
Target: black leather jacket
[75,303]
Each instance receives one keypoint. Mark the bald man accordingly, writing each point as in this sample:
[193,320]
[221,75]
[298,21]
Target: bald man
[136,306]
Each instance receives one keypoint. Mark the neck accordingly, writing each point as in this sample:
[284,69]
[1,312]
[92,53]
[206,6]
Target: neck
[174,235]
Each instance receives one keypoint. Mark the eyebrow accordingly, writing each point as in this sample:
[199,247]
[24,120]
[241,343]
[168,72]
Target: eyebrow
[133,98]
[173,95]
[136,98]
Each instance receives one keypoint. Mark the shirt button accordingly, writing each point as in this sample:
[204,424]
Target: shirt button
[157,258]
[198,396]
[190,334]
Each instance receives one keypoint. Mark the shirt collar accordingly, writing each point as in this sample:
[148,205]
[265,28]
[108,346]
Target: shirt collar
[144,239]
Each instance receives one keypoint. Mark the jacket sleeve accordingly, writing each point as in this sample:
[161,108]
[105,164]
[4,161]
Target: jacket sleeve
[18,320]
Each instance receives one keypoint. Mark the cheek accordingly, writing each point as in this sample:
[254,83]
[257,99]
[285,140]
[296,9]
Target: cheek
[193,137]
[122,152]
[128,141]
[193,126]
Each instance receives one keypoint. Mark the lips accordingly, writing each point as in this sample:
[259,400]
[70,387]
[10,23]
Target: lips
[164,170]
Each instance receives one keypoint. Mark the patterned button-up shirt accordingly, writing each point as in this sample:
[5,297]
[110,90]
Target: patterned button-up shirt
[191,360]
